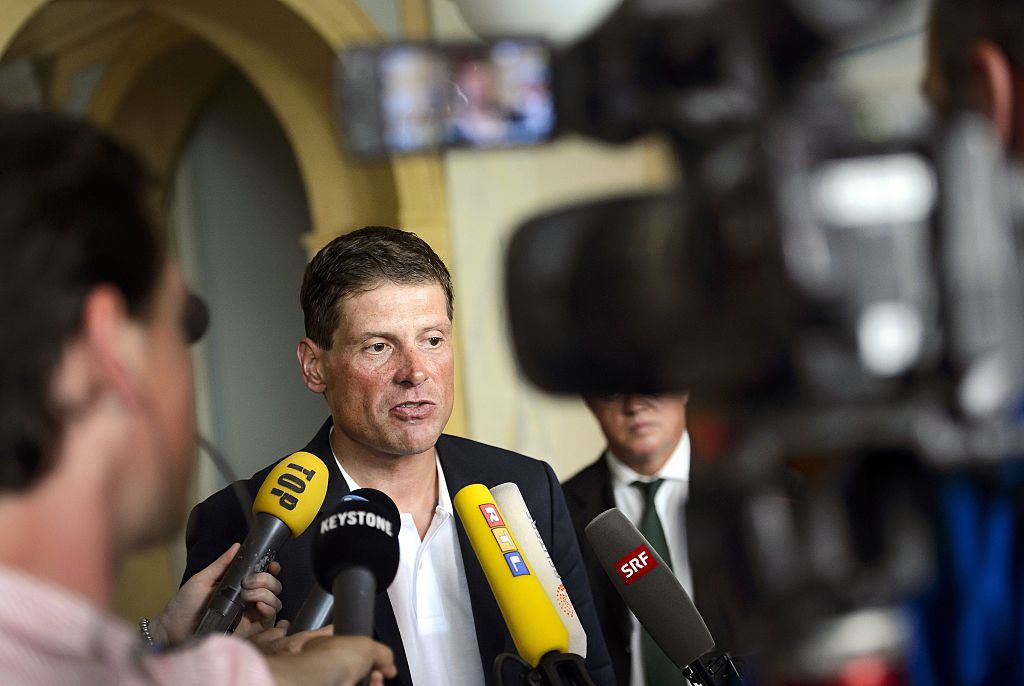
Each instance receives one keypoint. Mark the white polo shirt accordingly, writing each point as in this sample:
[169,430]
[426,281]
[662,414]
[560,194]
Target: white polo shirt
[669,501]
[430,598]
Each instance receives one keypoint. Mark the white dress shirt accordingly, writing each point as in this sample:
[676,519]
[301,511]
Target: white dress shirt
[669,501]
[430,598]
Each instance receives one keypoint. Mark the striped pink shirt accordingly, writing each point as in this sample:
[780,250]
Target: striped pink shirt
[51,636]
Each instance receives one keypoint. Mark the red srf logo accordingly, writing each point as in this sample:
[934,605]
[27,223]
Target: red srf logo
[635,565]
[491,515]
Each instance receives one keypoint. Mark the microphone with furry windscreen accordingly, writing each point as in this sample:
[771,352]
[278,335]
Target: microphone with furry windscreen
[537,630]
[517,515]
[655,596]
[532,620]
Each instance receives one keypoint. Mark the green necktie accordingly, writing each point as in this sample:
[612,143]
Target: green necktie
[659,670]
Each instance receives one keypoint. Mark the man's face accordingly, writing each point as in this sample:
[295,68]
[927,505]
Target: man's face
[390,372]
[642,430]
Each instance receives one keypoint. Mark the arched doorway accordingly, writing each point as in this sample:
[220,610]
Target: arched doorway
[150,69]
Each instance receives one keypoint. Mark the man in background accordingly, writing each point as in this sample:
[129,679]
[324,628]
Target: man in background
[645,472]
[97,425]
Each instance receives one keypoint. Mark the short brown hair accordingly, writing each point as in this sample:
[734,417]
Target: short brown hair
[360,261]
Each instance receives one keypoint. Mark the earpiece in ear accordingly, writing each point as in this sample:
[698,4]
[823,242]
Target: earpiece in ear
[197,318]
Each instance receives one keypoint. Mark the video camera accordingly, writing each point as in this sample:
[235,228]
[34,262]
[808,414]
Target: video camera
[838,281]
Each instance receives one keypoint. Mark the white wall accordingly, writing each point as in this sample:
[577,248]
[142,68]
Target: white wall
[489,195]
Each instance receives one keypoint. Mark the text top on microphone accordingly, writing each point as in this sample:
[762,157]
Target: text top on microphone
[294,491]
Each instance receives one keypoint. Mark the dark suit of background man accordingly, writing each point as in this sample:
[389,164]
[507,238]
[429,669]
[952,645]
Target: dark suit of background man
[647,461]
[378,346]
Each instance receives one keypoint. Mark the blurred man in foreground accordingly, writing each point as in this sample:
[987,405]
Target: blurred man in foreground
[97,425]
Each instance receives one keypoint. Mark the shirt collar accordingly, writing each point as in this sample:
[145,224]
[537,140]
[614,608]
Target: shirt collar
[676,468]
[444,498]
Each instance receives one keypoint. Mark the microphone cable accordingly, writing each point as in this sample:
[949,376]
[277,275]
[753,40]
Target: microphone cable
[219,461]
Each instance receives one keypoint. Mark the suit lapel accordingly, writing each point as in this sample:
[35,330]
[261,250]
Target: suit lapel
[615,601]
[607,494]
[599,484]
[320,446]
[491,634]
[601,487]
[385,626]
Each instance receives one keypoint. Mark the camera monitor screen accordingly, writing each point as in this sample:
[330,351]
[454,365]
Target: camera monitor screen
[405,98]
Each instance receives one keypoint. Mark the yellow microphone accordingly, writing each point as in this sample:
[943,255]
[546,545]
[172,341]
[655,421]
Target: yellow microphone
[532,620]
[294,491]
[287,502]
[517,515]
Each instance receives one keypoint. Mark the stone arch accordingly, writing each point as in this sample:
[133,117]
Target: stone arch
[158,80]
[286,48]
[290,65]
[152,89]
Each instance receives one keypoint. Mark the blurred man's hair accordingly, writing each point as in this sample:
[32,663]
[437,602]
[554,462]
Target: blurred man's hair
[360,261]
[72,216]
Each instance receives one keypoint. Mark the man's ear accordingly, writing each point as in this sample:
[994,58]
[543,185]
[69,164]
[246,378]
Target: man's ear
[107,330]
[994,78]
[311,365]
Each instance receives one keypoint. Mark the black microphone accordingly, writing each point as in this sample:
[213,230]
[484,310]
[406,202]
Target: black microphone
[316,609]
[355,557]
[659,601]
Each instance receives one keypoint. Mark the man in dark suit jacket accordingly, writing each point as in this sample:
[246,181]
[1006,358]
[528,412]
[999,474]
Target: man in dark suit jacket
[647,441]
[378,313]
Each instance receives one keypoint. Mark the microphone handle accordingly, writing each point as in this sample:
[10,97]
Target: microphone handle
[315,611]
[355,591]
[553,669]
[564,669]
[224,609]
[715,668]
